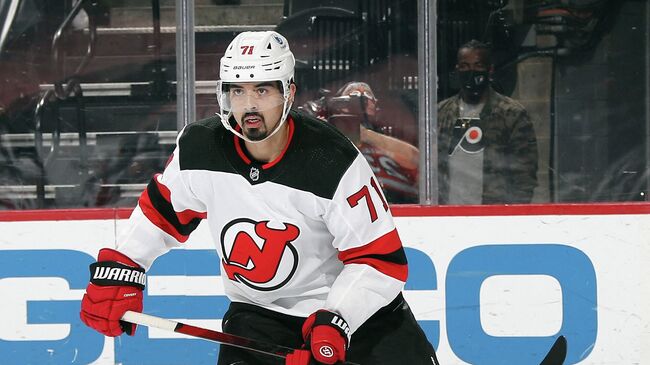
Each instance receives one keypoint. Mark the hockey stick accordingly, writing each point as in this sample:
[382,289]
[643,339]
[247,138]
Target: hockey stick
[557,354]
[210,335]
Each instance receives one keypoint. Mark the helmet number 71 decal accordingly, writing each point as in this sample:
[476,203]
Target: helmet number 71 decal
[364,193]
[247,50]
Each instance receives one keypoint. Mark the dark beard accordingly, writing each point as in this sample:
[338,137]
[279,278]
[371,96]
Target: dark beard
[255,134]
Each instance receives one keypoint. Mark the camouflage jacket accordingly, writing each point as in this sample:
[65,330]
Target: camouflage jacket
[510,149]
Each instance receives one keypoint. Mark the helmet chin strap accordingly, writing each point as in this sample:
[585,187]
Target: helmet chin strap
[285,112]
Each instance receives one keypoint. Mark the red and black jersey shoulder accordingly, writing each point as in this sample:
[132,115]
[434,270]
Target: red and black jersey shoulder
[315,160]
[201,146]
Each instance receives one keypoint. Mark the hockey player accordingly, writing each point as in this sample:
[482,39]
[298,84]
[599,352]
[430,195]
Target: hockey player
[310,257]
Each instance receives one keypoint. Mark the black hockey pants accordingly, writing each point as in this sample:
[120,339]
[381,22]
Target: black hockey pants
[391,336]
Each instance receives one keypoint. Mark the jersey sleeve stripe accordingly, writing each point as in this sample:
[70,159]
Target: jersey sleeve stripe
[156,205]
[390,242]
[385,254]
[397,271]
[395,257]
[184,217]
[164,191]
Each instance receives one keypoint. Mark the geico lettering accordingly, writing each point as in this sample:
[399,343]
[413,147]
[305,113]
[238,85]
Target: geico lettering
[464,333]
[566,265]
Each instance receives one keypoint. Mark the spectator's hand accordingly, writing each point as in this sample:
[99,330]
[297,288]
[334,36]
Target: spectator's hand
[116,285]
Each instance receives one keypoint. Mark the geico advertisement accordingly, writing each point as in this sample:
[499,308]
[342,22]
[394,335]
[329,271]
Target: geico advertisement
[487,290]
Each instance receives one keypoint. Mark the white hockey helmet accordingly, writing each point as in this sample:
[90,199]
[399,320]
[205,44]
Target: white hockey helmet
[255,57]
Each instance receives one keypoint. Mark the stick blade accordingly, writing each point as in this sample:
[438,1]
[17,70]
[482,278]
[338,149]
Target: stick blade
[557,353]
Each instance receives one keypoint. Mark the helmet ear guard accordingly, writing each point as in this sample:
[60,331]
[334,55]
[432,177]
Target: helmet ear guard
[255,57]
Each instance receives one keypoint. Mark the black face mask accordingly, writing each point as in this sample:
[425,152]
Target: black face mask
[474,83]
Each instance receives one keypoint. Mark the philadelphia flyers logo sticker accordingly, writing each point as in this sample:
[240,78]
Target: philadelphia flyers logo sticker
[472,140]
[259,255]
[467,136]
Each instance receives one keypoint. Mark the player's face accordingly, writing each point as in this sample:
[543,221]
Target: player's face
[257,107]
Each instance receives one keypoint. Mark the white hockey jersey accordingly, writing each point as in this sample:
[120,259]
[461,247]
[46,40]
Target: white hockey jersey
[310,230]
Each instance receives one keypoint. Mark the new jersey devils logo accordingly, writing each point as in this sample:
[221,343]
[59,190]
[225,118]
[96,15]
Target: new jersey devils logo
[259,256]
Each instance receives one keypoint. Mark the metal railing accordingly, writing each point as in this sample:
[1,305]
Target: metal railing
[65,88]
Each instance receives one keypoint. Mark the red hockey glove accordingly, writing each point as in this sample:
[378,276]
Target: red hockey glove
[116,285]
[299,357]
[327,335]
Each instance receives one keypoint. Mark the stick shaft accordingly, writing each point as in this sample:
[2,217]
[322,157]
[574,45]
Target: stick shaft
[210,335]
[206,334]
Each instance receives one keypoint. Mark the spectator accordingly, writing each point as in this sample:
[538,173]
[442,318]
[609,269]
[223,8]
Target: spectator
[353,110]
[487,148]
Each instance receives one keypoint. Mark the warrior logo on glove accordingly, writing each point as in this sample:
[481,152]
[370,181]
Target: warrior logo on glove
[116,285]
[258,255]
[113,273]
